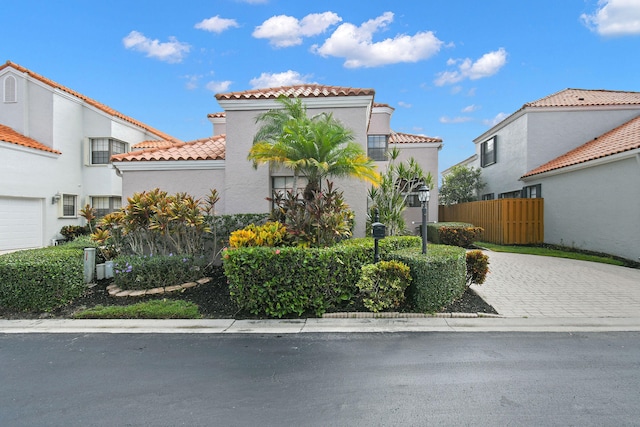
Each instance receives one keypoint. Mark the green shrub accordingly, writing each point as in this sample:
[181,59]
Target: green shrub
[287,281]
[453,233]
[382,285]
[147,272]
[437,278]
[70,232]
[477,267]
[41,279]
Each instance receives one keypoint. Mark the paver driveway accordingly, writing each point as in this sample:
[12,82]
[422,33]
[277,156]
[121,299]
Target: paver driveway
[538,286]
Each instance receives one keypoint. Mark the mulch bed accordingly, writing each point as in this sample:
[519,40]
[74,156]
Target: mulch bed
[212,299]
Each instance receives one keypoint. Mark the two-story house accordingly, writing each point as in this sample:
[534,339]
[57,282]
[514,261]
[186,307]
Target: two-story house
[578,149]
[220,161]
[55,149]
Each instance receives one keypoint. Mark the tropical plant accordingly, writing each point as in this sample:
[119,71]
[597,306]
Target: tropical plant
[315,147]
[390,198]
[154,222]
[320,222]
[461,185]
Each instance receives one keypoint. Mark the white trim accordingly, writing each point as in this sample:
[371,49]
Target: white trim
[383,109]
[163,165]
[310,102]
[585,165]
[402,145]
[465,162]
[29,150]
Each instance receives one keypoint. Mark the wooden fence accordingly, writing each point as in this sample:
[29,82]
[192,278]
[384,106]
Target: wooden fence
[505,221]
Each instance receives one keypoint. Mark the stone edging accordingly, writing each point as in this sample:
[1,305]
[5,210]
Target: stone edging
[397,315]
[115,291]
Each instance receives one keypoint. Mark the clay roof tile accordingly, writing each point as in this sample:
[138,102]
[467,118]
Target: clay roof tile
[9,135]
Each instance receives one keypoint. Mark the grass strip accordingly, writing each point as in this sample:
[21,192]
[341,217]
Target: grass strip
[552,252]
[154,309]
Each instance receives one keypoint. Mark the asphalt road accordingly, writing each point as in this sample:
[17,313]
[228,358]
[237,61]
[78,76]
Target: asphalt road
[374,379]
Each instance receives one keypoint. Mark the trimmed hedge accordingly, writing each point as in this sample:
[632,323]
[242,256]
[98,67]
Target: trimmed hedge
[433,230]
[437,279]
[288,281]
[41,279]
[135,272]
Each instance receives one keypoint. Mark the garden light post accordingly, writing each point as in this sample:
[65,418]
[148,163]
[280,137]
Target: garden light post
[423,196]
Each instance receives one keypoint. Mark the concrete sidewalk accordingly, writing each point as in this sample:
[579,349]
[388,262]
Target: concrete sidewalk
[531,293]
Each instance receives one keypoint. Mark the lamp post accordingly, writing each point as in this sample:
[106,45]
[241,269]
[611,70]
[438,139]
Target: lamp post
[423,196]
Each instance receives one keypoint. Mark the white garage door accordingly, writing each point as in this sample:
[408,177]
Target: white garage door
[20,223]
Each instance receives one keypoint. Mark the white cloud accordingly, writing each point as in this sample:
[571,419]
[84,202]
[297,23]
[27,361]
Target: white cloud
[450,120]
[172,51]
[356,45]
[614,18]
[470,108]
[488,65]
[497,119]
[287,78]
[217,87]
[192,81]
[404,104]
[286,31]
[216,24]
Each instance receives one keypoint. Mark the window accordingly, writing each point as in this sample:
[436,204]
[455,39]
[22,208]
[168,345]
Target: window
[69,207]
[283,184]
[10,89]
[412,200]
[377,146]
[488,196]
[103,148]
[532,191]
[488,152]
[510,195]
[106,205]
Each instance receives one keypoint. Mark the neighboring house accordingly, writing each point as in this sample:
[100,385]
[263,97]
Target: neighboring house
[55,146]
[221,162]
[578,149]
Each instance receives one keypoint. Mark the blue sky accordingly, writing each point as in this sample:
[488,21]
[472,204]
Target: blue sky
[451,69]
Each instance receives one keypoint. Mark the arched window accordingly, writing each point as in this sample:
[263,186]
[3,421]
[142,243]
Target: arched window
[10,89]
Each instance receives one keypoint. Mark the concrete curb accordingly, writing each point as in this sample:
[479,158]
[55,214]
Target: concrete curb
[321,325]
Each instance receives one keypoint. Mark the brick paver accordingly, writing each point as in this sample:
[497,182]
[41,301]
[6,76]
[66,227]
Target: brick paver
[537,286]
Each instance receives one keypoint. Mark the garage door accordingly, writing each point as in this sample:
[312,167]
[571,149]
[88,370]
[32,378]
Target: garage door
[20,223]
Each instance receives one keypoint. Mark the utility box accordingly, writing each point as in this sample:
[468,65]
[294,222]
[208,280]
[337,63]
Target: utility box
[378,230]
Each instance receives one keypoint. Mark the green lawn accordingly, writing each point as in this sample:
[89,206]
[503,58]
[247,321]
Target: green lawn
[155,309]
[555,252]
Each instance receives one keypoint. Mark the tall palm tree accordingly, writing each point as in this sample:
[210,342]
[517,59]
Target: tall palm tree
[316,147]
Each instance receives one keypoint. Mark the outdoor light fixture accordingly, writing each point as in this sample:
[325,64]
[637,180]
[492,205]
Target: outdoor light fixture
[423,196]
[56,198]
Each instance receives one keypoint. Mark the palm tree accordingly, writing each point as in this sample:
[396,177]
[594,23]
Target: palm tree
[315,147]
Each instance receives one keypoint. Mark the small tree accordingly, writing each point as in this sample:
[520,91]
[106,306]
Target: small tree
[390,198]
[462,185]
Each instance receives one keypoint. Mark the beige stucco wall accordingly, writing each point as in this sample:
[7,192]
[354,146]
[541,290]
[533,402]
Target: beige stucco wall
[196,182]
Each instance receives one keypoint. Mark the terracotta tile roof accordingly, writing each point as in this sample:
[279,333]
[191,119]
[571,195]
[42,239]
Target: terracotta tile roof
[212,148]
[405,138]
[162,143]
[623,138]
[11,136]
[584,97]
[379,104]
[89,101]
[298,91]
[217,115]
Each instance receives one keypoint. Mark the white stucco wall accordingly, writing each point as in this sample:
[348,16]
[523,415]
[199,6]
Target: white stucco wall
[61,121]
[595,208]
[510,165]
[541,135]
